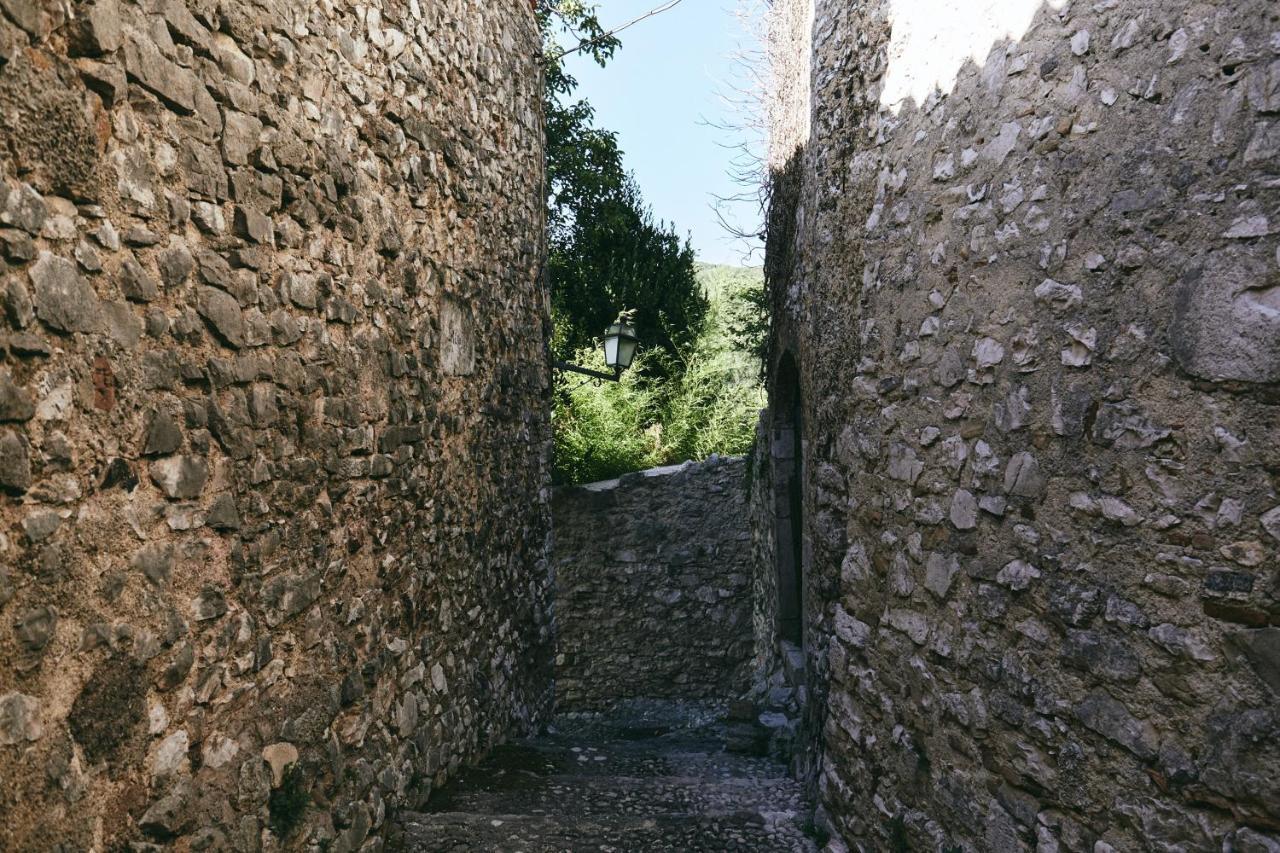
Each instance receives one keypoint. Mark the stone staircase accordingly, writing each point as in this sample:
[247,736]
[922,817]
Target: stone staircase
[647,776]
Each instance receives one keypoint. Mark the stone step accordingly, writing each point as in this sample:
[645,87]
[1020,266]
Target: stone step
[621,758]
[601,797]
[736,832]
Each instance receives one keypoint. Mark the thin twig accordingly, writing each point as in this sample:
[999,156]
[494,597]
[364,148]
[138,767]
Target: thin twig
[588,43]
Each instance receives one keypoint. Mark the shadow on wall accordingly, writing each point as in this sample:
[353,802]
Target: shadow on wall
[1036,314]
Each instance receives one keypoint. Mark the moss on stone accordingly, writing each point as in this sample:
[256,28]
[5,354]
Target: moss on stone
[109,710]
[288,803]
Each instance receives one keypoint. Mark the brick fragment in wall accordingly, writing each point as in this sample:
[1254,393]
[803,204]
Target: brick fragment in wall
[249,497]
[1035,324]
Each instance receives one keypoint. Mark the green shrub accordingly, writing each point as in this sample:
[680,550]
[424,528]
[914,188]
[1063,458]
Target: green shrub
[669,408]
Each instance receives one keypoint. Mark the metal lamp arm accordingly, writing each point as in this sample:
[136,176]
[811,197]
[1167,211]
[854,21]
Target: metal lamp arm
[616,376]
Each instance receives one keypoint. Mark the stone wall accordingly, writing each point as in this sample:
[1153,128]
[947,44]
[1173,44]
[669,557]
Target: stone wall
[653,586]
[1024,258]
[273,441]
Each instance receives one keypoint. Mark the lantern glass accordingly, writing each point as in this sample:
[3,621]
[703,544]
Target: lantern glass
[620,345]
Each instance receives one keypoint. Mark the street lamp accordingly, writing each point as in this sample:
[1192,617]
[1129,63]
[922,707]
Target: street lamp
[620,344]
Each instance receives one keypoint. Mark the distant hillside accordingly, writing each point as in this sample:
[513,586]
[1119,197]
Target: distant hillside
[719,280]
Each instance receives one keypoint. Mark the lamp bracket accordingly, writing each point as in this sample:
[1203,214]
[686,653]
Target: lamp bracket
[616,376]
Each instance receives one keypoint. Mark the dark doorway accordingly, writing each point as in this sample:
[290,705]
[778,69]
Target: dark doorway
[788,476]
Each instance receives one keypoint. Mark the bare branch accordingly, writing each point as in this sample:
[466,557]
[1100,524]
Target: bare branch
[671,4]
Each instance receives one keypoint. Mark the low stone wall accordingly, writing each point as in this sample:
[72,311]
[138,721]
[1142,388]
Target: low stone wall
[653,586]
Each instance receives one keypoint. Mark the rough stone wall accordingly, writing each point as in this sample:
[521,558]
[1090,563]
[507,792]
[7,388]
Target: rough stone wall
[273,441]
[1035,318]
[653,586]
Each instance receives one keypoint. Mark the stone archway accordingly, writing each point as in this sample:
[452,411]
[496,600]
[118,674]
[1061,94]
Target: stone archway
[787,459]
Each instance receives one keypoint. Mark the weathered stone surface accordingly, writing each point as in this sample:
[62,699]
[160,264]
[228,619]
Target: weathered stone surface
[939,573]
[15,462]
[1262,647]
[223,514]
[1226,321]
[18,306]
[143,62]
[26,15]
[987,284]
[163,435]
[1112,720]
[24,208]
[278,757]
[180,477]
[35,629]
[63,299]
[313,475]
[19,719]
[97,29]
[1022,477]
[252,225]
[964,510]
[155,561]
[15,402]
[660,606]
[136,284]
[223,313]
[176,265]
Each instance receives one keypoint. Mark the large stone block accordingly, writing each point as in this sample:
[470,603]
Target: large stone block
[1226,321]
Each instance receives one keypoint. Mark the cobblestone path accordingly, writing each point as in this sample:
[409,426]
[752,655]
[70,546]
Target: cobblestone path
[646,777]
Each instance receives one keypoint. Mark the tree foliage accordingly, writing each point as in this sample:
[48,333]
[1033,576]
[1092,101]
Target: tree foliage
[618,257]
[657,417]
[694,389]
[606,251]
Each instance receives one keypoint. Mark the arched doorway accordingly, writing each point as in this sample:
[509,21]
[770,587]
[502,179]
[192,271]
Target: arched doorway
[786,450]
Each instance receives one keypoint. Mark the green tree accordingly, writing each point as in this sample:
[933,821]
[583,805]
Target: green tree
[709,406]
[617,257]
[606,251]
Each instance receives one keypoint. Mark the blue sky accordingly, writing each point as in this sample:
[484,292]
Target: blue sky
[670,75]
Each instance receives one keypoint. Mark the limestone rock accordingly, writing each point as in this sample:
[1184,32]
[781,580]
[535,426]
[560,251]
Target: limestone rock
[1271,522]
[19,719]
[223,514]
[209,604]
[180,477]
[63,300]
[15,402]
[278,757]
[1112,720]
[1060,297]
[169,815]
[24,208]
[98,29]
[136,284]
[155,561]
[17,303]
[36,628]
[964,510]
[940,570]
[174,85]
[15,462]
[163,435]
[1262,648]
[1017,575]
[1022,477]
[1226,321]
[223,313]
